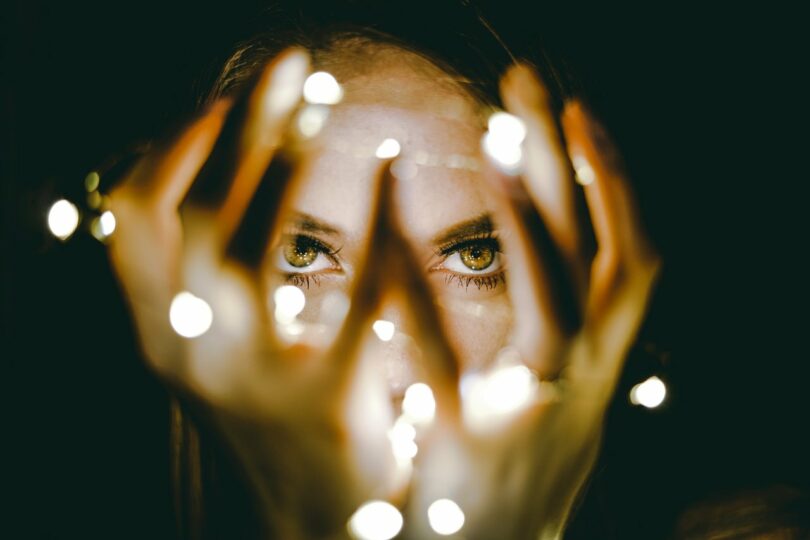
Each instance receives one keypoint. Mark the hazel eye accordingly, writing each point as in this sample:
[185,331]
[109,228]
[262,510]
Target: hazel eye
[474,258]
[302,254]
[477,257]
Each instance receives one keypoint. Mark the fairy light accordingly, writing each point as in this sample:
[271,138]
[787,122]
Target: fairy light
[107,223]
[502,141]
[189,315]
[650,393]
[91,181]
[375,520]
[289,301]
[322,88]
[311,120]
[489,398]
[418,404]
[63,218]
[445,517]
[583,171]
[403,439]
[384,329]
[388,149]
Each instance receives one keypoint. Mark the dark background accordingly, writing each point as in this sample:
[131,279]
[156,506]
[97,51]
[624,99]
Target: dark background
[704,105]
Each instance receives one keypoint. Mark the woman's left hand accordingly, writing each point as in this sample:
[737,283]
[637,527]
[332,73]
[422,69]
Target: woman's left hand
[517,475]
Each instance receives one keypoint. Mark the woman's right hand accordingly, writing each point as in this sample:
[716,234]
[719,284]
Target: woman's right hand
[295,414]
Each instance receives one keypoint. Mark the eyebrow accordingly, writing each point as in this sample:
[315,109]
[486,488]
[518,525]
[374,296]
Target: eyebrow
[472,227]
[309,223]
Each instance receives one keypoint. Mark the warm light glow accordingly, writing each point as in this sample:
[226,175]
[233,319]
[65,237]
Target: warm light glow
[91,181]
[384,329]
[506,154]
[375,520]
[507,127]
[107,222]
[311,120]
[290,301]
[63,218]
[403,436]
[445,517]
[419,405]
[488,398]
[585,174]
[190,316]
[650,393]
[322,88]
[389,148]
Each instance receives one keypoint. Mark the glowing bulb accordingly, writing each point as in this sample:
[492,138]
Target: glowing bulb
[419,405]
[445,517]
[389,148]
[491,397]
[507,127]
[190,316]
[63,218]
[384,329]
[107,222]
[322,88]
[650,393]
[583,171]
[91,181]
[312,119]
[505,153]
[290,301]
[402,436]
[375,520]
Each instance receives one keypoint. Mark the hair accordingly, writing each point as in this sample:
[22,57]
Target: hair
[211,493]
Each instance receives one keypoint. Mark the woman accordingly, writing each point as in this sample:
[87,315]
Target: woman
[493,307]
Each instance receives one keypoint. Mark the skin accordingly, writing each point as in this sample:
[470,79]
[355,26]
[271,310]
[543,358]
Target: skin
[309,420]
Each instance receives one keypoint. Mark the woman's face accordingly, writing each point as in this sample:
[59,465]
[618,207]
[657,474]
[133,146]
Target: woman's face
[442,204]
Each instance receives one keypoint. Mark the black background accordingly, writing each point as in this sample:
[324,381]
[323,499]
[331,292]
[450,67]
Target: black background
[704,105]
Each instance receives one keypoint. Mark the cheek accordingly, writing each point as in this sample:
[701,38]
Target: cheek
[478,329]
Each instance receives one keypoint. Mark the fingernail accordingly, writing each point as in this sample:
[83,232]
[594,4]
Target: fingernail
[524,84]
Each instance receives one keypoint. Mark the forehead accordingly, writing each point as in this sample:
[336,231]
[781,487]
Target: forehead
[437,125]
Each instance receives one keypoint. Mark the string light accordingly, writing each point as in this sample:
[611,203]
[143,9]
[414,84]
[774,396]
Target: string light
[502,141]
[583,171]
[403,440]
[311,120]
[322,88]
[63,218]
[490,398]
[289,301]
[375,520]
[189,315]
[650,393]
[418,404]
[384,329]
[445,517]
[389,148]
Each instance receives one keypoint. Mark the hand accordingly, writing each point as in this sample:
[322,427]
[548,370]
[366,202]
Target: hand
[289,411]
[519,478]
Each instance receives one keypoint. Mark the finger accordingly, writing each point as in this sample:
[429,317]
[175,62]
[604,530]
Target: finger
[547,172]
[539,306]
[163,177]
[623,248]
[251,135]
[626,266]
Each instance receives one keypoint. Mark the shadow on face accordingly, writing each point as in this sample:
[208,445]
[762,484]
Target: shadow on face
[442,203]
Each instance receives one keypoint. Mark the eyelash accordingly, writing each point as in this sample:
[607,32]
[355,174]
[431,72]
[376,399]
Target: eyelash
[488,282]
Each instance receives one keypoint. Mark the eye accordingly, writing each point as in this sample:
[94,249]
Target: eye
[473,257]
[300,254]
